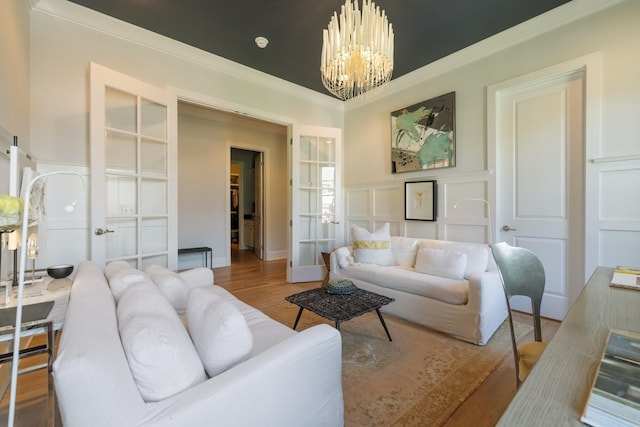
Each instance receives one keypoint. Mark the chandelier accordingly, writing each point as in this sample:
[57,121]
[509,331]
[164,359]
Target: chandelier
[357,50]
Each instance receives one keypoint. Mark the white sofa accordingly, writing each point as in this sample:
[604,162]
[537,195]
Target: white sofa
[470,306]
[289,378]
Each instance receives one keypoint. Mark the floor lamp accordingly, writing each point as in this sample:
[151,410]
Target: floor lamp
[23,249]
[488,212]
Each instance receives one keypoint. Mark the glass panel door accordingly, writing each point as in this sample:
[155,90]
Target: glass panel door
[132,160]
[316,203]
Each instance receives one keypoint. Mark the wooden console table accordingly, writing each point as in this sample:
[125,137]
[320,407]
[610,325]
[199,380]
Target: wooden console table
[557,389]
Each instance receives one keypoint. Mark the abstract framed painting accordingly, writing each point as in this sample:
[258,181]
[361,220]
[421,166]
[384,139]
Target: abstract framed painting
[420,200]
[423,135]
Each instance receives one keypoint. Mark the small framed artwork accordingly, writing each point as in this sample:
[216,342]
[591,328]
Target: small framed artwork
[423,135]
[420,200]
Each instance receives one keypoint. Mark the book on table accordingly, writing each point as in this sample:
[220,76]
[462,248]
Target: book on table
[626,277]
[615,395]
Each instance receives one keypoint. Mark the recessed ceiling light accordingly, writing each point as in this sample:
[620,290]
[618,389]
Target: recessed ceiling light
[261,42]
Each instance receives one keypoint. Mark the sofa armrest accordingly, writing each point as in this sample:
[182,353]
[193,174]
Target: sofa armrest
[296,382]
[486,292]
[341,256]
[197,277]
[334,264]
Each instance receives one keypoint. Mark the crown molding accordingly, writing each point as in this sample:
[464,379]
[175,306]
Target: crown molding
[541,24]
[85,17]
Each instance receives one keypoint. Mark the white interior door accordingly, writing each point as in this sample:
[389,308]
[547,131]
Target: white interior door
[133,171]
[259,202]
[316,194]
[540,181]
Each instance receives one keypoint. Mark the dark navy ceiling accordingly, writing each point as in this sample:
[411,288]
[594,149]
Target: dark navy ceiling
[425,30]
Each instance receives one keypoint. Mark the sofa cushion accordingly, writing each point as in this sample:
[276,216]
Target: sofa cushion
[121,279]
[161,356]
[197,277]
[372,248]
[143,297]
[404,250]
[218,330]
[266,332]
[441,262]
[172,285]
[477,253]
[408,280]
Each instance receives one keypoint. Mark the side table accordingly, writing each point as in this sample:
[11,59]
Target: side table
[205,250]
[56,296]
[34,317]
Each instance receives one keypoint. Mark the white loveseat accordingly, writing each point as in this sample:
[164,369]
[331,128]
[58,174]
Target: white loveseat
[288,379]
[470,306]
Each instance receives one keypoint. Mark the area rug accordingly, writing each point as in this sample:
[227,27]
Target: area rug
[418,379]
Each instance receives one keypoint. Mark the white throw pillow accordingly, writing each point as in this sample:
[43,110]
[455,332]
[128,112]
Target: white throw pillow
[477,253]
[171,284]
[404,250]
[143,298]
[440,262]
[123,278]
[161,356]
[219,331]
[372,248]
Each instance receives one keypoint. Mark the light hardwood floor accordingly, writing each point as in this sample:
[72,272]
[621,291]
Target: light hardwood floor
[258,283]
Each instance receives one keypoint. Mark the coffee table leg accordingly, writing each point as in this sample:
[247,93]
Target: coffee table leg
[298,318]
[384,325]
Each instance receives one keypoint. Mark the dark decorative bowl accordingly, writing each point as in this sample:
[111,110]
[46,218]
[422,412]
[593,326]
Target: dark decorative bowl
[60,271]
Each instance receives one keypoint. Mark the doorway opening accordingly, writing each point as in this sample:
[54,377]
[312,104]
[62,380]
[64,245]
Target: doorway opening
[207,137]
[246,193]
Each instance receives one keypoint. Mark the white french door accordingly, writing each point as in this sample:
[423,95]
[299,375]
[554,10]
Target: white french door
[258,191]
[316,200]
[133,171]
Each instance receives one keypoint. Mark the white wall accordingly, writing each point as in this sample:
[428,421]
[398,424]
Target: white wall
[14,70]
[614,32]
[203,166]
[60,54]
[65,38]
[14,92]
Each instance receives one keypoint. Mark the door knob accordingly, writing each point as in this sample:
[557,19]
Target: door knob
[507,228]
[100,231]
